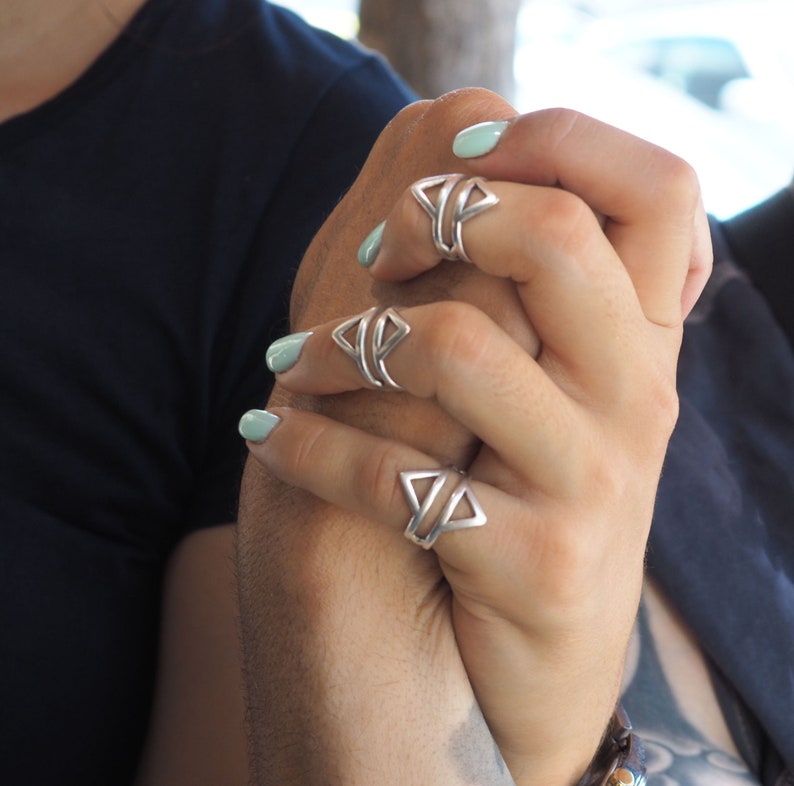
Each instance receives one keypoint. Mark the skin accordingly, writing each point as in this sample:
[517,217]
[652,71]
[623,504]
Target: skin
[72,33]
[518,609]
[197,730]
[670,697]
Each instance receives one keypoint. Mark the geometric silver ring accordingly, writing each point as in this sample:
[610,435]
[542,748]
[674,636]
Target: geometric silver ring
[444,522]
[461,211]
[372,325]
[437,210]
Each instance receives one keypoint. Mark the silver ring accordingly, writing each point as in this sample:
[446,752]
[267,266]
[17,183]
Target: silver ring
[460,212]
[444,522]
[380,344]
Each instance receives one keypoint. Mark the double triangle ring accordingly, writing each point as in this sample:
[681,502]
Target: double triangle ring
[461,210]
[384,329]
[444,523]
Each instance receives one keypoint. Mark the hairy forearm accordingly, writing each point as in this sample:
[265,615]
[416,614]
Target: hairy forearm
[343,636]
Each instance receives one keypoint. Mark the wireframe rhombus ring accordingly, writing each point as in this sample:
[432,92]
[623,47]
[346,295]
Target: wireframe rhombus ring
[444,522]
[372,326]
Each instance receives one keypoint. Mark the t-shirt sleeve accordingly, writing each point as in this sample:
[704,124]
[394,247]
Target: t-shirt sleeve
[761,241]
[325,161]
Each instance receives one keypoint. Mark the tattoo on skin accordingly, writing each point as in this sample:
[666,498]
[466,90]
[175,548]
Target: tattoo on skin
[477,758]
[678,752]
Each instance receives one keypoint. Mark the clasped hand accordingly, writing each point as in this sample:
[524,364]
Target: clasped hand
[546,370]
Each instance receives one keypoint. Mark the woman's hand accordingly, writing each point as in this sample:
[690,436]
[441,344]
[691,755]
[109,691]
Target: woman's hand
[544,595]
[561,412]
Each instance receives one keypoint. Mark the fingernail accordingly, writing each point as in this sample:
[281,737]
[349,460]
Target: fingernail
[369,249]
[478,140]
[257,424]
[283,354]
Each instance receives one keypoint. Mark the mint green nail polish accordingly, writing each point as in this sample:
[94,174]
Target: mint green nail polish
[257,424]
[283,354]
[478,140]
[369,249]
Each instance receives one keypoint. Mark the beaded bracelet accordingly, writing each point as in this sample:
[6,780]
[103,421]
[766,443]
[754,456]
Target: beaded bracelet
[620,761]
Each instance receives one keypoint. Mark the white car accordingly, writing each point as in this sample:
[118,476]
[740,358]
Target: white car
[734,56]
[714,82]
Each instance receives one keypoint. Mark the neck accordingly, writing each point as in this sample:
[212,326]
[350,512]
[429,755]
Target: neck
[45,45]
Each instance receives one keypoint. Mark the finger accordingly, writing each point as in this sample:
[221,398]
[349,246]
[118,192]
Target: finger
[487,560]
[576,292]
[364,478]
[458,356]
[452,353]
[420,231]
[417,142]
[651,198]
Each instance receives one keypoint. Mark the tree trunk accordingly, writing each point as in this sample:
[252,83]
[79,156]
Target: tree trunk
[439,45]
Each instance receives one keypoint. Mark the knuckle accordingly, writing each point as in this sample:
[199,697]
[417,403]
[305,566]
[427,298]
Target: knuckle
[568,223]
[403,125]
[646,402]
[442,118]
[564,210]
[466,106]
[570,559]
[396,140]
[663,401]
[675,180]
[648,414]
[652,395]
[458,332]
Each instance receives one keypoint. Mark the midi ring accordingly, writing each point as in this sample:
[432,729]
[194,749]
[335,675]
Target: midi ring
[380,344]
[461,210]
[444,522]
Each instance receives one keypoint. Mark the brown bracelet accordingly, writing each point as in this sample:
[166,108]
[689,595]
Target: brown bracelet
[620,761]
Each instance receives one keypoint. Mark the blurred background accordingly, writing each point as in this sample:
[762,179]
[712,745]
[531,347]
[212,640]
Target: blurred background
[711,81]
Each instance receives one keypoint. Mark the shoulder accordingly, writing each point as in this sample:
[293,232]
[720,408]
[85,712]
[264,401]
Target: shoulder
[251,78]
[258,50]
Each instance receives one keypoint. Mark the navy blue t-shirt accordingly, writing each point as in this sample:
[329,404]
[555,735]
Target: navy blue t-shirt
[151,218]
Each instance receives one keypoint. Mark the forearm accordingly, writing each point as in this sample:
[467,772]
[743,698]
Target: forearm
[343,687]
